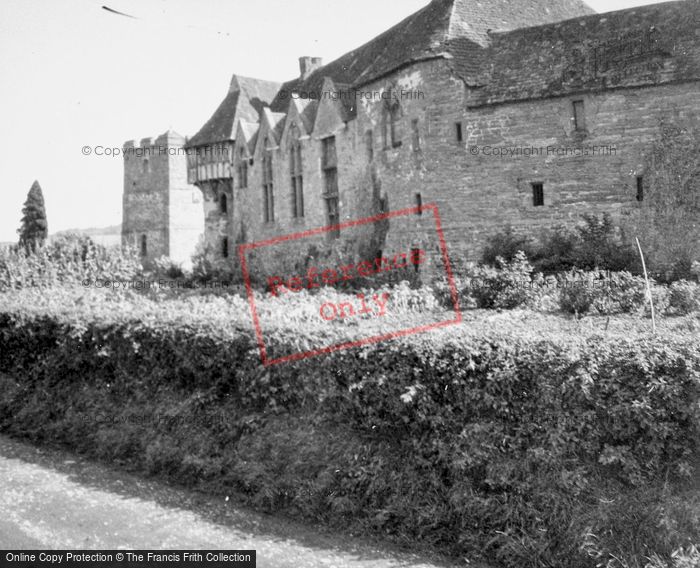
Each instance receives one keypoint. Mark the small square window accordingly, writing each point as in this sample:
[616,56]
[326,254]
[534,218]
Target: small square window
[538,194]
[640,188]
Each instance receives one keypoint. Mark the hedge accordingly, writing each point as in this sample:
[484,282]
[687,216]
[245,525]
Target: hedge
[506,444]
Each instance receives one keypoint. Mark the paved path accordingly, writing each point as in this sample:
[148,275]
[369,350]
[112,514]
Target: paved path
[50,499]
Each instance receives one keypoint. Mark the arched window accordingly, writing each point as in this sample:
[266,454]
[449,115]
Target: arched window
[268,192]
[144,245]
[296,173]
[391,121]
[223,203]
[242,169]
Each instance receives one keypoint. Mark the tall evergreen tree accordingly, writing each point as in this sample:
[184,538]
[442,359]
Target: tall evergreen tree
[34,229]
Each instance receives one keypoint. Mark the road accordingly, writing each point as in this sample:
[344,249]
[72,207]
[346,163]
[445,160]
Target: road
[50,499]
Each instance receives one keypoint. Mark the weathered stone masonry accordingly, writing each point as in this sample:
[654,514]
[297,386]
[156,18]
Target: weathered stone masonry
[162,213]
[486,109]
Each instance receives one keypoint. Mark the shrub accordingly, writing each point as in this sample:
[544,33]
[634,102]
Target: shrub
[598,247]
[208,267]
[406,298]
[507,286]
[578,291]
[505,245]
[555,250]
[593,245]
[168,268]
[684,297]
[602,292]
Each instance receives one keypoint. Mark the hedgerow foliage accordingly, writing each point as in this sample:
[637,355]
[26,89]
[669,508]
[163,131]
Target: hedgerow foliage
[68,259]
[519,446]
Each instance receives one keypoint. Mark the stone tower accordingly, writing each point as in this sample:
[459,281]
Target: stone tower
[162,214]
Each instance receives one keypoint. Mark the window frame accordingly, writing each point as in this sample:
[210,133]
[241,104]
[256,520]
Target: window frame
[391,124]
[296,174]
[640,189]
[268,186]
[331,192]
[537,194]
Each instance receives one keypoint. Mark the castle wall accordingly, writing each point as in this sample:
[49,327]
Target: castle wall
[158,203]
[478,191]
[480,152]
[145,199]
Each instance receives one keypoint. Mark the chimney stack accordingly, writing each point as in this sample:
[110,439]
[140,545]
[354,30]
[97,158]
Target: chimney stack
[308,65]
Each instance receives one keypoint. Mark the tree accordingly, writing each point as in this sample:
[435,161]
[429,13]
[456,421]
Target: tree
[34,228]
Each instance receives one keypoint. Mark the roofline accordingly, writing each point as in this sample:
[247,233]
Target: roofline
[442,55]
[590,16]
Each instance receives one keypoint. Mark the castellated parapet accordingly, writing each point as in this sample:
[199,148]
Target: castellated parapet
[163,214]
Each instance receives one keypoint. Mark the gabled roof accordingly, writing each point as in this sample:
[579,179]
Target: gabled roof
[452,28]
[271,125]
[245,100]
[306,110]
[247,135]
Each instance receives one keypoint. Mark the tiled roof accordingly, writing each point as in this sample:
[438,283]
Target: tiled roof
[646,45]
[455,27]
[245,100]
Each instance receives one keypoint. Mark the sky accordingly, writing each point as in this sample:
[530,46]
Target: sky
[73,74]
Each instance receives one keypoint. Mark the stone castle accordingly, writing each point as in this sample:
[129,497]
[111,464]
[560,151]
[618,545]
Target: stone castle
[500,112]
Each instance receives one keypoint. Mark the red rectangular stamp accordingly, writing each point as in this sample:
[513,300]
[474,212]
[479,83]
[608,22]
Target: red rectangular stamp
[319,287]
